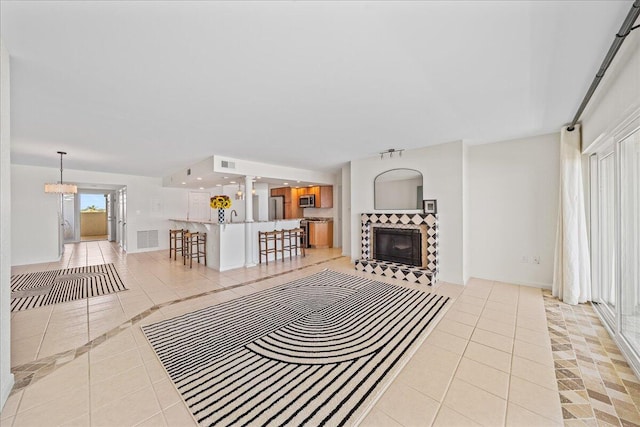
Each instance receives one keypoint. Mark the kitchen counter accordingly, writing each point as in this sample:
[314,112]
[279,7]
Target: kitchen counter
[226,242]
[196,221]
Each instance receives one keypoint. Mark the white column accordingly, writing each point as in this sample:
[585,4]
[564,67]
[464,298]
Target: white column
[248,198]
[249,240]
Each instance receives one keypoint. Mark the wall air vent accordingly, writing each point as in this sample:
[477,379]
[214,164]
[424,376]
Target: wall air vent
[148,239]
[227,164]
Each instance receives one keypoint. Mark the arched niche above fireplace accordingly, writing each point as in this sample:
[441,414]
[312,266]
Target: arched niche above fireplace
[398,189]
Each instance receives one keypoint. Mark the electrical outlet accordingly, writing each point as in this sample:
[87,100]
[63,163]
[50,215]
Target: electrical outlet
[535,259]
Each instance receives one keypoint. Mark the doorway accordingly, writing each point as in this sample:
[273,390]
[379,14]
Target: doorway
[93,216]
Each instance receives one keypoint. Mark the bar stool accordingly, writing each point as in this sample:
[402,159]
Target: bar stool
[264,247]
[292,242]
[176,241]
[195,245]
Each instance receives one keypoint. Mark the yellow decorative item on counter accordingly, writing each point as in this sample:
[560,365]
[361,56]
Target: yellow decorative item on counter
[221,203]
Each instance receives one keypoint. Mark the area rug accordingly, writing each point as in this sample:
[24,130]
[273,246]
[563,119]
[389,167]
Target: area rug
[315,351]
[33,290]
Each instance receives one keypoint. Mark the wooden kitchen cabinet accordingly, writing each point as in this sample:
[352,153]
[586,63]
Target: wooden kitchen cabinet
[292,209]
[321,234]
[325,198]
[324,195]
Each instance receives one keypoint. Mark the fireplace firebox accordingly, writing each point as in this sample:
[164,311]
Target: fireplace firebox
[399,245]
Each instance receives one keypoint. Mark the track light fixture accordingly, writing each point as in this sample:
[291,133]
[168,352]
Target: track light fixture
[391,152]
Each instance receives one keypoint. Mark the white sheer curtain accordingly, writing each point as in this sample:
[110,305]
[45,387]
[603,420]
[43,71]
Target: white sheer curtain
[571,276]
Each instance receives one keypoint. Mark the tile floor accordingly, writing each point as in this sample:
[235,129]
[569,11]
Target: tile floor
[494,359]
[597,386]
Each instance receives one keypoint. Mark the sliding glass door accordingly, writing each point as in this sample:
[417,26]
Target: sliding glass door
[615,235]
[603,235]
[629,149]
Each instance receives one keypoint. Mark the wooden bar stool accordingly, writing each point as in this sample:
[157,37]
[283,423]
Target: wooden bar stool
[293,242]
[176,243]
[268,244]
[195,246]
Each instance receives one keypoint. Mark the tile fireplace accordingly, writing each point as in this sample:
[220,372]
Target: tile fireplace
[403,246]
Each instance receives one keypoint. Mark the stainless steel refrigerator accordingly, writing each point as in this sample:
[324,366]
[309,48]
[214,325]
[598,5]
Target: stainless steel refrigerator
[276,208]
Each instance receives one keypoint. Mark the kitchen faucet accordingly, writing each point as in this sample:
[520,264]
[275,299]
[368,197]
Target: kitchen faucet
[233,212]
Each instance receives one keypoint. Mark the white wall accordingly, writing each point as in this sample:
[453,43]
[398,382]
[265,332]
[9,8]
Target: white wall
[319,212]
[6,377]
[346,210]
[262,191]
[466,216]
[496,203]
[34,213]
[441,167]
[513,204]
[618,94]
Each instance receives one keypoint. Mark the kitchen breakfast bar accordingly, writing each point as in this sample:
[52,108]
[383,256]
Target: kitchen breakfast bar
[233,244]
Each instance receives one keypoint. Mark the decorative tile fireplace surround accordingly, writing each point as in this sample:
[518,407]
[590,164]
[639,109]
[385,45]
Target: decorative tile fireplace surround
[426,223]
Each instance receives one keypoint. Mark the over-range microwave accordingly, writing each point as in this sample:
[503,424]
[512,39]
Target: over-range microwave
[308,201]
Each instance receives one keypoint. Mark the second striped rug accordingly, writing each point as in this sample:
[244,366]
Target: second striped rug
[314,351]
[33,290]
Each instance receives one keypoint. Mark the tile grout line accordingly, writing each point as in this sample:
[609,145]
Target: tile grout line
[89,354]
[513,354]
[461,356]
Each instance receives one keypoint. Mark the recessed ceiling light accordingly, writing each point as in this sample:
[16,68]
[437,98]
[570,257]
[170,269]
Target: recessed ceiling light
[202,188]
[298,181]
[258,177]
[218,185]
[232,182]
[199,178]
[184,183]
[285,183]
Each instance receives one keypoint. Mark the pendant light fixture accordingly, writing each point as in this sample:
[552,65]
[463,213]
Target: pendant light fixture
[239,193]
[61,188]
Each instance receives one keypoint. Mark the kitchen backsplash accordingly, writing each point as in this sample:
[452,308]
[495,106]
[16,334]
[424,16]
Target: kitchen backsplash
[319,212]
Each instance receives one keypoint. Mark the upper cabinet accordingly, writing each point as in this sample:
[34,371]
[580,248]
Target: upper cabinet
[323,198]
[326,197]
[323,195]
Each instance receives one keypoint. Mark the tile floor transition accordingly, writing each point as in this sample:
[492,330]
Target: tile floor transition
[502,354]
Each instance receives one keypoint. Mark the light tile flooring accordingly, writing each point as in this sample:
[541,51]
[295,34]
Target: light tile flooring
[488,362]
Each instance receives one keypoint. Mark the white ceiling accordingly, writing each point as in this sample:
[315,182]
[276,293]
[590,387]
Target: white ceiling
[149,87]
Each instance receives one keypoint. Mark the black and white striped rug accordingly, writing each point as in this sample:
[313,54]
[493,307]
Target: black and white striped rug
[32,290]
[315,351]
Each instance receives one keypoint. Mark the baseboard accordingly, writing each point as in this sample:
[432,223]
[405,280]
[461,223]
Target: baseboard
[514,282]
[38,261]
[6,390]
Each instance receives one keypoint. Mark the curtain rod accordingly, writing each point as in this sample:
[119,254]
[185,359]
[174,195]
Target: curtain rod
[613,50]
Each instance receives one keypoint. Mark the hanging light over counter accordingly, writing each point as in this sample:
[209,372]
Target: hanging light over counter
[239,193]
